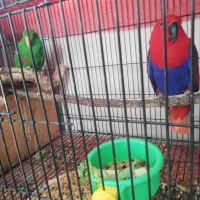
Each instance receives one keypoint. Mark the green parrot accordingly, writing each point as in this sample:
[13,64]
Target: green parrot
[24,51]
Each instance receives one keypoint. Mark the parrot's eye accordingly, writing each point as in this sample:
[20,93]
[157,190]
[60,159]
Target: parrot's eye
[161,24]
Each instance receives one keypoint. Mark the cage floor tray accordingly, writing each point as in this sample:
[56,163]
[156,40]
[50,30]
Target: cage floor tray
[179,160]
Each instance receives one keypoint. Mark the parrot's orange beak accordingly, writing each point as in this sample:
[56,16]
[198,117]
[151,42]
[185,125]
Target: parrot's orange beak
[27,42]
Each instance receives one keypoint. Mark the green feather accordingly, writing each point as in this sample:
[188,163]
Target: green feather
[25,54]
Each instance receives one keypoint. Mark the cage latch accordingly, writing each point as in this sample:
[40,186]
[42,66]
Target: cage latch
[6,113]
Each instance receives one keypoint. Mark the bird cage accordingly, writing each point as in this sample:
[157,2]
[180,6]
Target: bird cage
[85,108]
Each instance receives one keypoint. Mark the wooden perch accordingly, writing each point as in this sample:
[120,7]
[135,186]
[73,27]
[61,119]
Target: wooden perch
[182,99]
[135,103]
[29,75]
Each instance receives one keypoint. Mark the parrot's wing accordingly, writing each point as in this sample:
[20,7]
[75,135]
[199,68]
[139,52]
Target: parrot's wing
[150,72]
[195,69]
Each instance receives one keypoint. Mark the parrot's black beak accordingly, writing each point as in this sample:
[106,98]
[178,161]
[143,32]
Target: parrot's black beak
[173,31]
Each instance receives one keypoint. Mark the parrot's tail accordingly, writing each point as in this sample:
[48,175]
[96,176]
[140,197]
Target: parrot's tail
[179,115]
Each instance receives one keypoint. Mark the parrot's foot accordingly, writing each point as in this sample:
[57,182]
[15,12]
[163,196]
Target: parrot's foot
[30,68]
[160,99]
[40,71]
[187,93]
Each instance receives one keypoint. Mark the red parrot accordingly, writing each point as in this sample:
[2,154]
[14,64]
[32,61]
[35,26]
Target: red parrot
[178,62]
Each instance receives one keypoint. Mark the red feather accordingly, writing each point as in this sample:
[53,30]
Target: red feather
[179,111]
[180,115]
[25,60]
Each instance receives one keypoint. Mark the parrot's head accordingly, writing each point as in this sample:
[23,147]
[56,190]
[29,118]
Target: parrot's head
[32,36]
[176,41]
[174,29]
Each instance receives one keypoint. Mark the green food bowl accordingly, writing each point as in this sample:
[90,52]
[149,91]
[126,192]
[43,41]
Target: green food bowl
[138,151]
